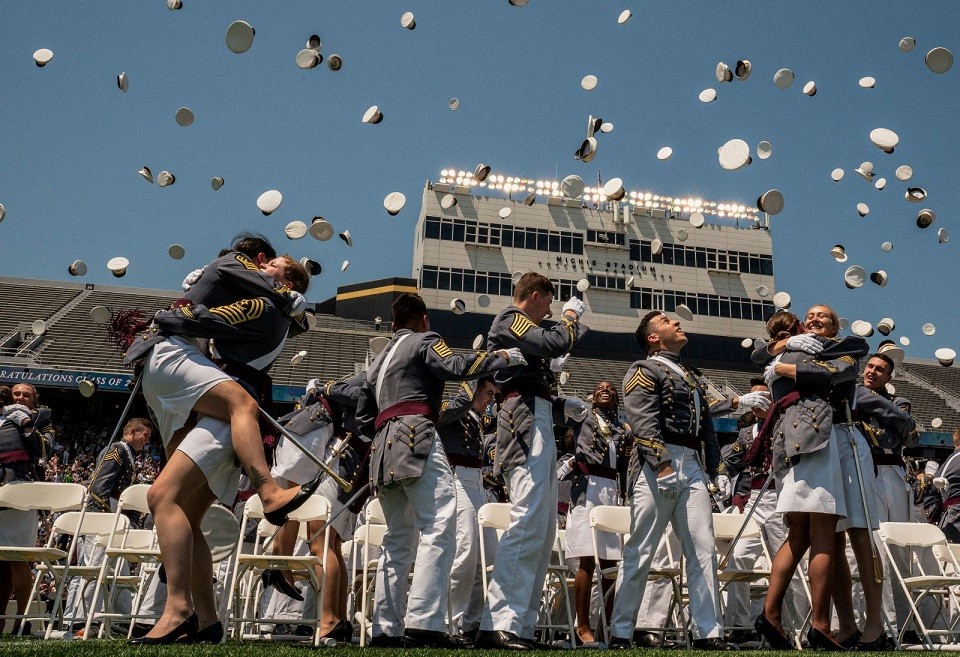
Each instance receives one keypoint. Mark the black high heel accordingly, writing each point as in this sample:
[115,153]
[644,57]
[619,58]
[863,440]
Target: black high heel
[852,641]
[774,637]
[210,634]
[278,517]
[188,627]
[276,579]
[342,632]
[820,641]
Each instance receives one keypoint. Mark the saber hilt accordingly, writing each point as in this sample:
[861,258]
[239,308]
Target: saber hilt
[341,482]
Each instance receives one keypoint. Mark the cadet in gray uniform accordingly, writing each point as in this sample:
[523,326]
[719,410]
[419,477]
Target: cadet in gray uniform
[400,402]
[461,431]
[672,432]
[947,482]
[526,455]
[888,426]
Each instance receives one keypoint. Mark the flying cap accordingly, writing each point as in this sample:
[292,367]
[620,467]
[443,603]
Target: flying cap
[839,253]
[890,349]
[863,209]
[587,150]
[478,342]
[320,229]
[943,236]
[747,343]
[742,69]
[298,357]
[335,63]
[708,95]
[481,172]
[613,189]
[146,174]
[295,230]
[884,139]
[174,5]
[313,42]
[448,201]
[763,291]
[378,344]
[373,115]
[782,300]
[865,170]
[530,199]
[269,201]
[945,356]
[907,44]
[771,202]
[589,82]
[240,37]
[764,149]
[783,78]
[887,246]
[606,127]
[216,183]
[904,172]
[624,16]
[42,57]
[165,178]
[344,265]
[77,268]
[313,267]
[346,237]
[879,277]
[810,88]
[734,154]
[583,285]
[100,314]
[938,60]
[925,218]
[880,183]
[184,116]
[505,212]
[123,82]
[656,246]
[915,194]
[868,82]
[572,186]
[885,326]
[176,251]
[308,58]
[855,276]
[936,423]
[564,377]
[458,306]
[407,21]
[118,266]
[697,219]
[905,341]
[394,202]
[86,386]
[862,328]
[836,174]
[723,73]
[39,327]
[664,153]
[683,312]
[682,235]
[929,329]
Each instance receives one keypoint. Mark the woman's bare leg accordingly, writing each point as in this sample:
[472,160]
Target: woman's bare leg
[331,612]
[201,583]
[843,590]
[785,564]
[860,541]
[823,529]
[582,593]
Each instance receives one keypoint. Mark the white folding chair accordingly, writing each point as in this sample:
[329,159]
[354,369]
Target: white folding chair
[493,516]
[369,535]
[922,580]
[40,496]
[556,590]
[726,527]
[614,520]
[249,566]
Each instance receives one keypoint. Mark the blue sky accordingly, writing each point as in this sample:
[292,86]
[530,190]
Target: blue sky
[71,143]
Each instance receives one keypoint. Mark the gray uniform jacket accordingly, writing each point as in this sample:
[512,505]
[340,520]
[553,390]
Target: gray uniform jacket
[461,432]
[402,420]
[113,474]
[521,385]
[734,464]
[950,518]
[886,421]
[826,383]
[661,409]
[22,448]
[593,449]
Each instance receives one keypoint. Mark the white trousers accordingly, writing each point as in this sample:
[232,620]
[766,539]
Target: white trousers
[516,584]
[894,505]
[80,591]
[466,582]
[421,523]
[655,606]
[692,519]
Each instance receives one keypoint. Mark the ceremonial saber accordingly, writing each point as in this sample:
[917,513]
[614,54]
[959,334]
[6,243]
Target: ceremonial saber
[126,409]
[341,482]
[743,527]
[336,515]
[877,568]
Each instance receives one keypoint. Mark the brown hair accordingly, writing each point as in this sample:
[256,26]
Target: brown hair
[137,422]
[532,282]
[782,325]
[296,273]
[6,397]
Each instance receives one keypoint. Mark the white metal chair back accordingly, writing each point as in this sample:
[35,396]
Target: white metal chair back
[42,496]
[495,516]
[369,535]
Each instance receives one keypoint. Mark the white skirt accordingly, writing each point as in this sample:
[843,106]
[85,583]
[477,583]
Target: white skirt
[176,375]
[209,445]
[815,483]
[600,492]
[18,528]
[856,517]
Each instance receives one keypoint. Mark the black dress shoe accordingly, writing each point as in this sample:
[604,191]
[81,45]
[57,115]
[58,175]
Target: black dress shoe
[616,643]
[911,638]
[882,643]
[501,640]
[342,632]
[851,641]
[414,638]
[276,579]
[210,634]
[463,640]
[820,641]
[774,637]
[742,636]
[384,641]
[140,629]
[653,640]
[278,517]
[714,643]
[186,628]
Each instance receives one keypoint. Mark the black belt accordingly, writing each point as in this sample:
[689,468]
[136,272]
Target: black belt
[598,470]
[464,461]
[684,440]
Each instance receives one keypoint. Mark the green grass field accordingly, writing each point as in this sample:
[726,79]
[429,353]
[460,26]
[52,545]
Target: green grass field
[118,648]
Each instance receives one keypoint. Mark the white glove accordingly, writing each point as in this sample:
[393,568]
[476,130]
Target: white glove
[804,342]
[514,357]
[576,306]
[18,414]
[931,468]
[556,364]
[940,483]
[724,487]
[669,486]
[298,303]
[770,375]
[758,399]
[575,409]
[312,385]
[192,278]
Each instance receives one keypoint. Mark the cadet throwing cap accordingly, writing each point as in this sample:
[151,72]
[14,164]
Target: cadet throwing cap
[884,139]
[771,202]
[684,313]
[945,356]
[854,277]
[77,268]
[123,82]
[783,78]
[458,306]
[100,314]
[929,329]
[42,57]
[394,202]
[269,201]
[184,116]
[373,115]
[907,44]
[664,153]
[782,300]
[448,201]
[118,266]
[321,229]
[240,37]
[216,183]
[295,230]
[176,251]
[938,60]
[407,21]
[589,82]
